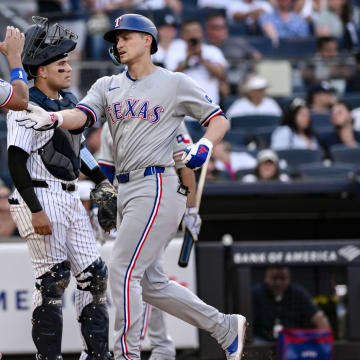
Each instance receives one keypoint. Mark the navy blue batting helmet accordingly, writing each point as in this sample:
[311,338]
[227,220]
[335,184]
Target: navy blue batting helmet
[134,22]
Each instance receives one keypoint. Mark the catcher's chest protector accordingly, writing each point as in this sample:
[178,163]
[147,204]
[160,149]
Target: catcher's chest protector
[61,155]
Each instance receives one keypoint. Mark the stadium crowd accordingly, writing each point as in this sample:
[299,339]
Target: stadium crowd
[284,71]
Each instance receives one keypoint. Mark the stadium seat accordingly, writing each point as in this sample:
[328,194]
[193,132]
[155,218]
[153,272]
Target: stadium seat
[262,136]
[344,154]
[195,130]
[320,122]
[297,47]
[256,128]
[320,171]
[251,122]
[226,102]
[235,137]
[352,99]
[296,157]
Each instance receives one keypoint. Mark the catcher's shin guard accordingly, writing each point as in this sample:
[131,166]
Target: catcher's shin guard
[94,318]
[47,318]
[94,321]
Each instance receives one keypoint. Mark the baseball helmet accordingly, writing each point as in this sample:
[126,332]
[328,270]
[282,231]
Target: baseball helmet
[45,44]
[134,22]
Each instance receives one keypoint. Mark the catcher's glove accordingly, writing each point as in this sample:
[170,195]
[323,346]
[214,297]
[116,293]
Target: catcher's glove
[104,195]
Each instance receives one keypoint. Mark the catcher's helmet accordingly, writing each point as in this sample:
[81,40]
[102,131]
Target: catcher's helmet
[45,44]
[134,22]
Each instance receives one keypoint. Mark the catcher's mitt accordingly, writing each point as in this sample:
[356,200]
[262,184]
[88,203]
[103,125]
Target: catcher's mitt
[104,195]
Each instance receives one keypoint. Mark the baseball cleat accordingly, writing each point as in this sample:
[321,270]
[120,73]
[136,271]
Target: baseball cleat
[234,351]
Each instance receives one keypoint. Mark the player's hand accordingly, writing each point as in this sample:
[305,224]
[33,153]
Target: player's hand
[37,118]
[41,223]
[192,222]
[195,155]
[13,44]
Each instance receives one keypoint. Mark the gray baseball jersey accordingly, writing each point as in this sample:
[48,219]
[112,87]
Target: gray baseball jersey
[181,141]
[143,115]
[143,118]
[6,92]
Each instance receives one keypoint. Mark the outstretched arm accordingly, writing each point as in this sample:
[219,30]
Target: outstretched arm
[12,48]
[39,119]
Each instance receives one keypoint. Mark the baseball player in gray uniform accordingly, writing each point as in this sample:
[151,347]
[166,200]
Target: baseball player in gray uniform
[163,348]
[144,107]
[14,95]
[46,206]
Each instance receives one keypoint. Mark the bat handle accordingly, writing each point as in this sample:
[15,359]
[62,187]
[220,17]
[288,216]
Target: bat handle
[186,249]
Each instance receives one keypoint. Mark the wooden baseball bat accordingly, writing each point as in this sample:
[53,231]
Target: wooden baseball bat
[188,239]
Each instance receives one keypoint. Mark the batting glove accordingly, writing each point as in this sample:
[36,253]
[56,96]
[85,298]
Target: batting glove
[192,222]
[195,155]
[37,118]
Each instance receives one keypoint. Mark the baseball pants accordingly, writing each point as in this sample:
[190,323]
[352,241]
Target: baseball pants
[149,211]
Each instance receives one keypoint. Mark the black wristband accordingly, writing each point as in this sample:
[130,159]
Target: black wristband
[31,199]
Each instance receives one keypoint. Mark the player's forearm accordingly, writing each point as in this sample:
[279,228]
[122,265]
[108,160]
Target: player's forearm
[217,128]
[72,119]
[20,99]
[188,179]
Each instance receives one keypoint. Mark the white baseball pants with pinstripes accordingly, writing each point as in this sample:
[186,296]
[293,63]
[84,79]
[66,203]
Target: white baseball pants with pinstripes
[72,238]
[150,210]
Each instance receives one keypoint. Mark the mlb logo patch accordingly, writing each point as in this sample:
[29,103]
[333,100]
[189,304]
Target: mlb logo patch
[208,99]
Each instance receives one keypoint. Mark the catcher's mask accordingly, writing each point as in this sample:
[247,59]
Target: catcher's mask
[45,44]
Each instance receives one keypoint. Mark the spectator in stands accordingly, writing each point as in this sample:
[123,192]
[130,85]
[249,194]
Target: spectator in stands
[344,132]
[295,131]
[227,161]
[204,63]
[217,4]
[267,168]
[278,303]
[249,11]
[129,5]
[353,83]
[217,34]
[212,174]
[254,101]
[327,64]
[7,225]
[339,19]
[167,27]
[321,98]
[283,23]
[51,9]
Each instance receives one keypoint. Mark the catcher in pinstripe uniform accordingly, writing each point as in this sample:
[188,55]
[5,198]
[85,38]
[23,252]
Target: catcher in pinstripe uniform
[46,206]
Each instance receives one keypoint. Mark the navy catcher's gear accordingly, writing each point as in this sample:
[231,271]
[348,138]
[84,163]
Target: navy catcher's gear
[94,317]
[134,22]
[45,44]
[47,318]
[94,279]
[94,321]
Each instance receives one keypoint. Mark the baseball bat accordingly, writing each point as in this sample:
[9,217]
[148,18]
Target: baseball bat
[188,239]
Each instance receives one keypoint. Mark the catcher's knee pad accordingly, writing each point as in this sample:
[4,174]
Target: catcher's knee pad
[47,318]
[94,279]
